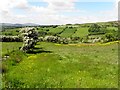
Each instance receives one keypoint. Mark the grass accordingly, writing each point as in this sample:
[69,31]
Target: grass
[11,32]
[112,28]
[81,32]
[7,47]
[56,30]
[68,32]
[52,65]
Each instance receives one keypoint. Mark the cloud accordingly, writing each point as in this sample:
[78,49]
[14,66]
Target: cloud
[66,5]
[22,4]
[53,13]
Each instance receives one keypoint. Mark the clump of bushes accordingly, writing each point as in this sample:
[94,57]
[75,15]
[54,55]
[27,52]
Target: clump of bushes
[10,39]
[55,39]
[96,29]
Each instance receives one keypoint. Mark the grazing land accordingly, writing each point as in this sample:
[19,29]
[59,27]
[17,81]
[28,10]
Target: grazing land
[65,56]
[52,65]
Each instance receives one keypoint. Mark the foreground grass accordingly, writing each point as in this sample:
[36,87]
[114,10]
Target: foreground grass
[64,66]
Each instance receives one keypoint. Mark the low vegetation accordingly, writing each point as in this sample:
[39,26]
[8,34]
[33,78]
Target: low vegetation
[64,56]
[52,65]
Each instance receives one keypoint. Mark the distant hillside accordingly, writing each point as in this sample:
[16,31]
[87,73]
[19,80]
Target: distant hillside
[109,23]
[18,25]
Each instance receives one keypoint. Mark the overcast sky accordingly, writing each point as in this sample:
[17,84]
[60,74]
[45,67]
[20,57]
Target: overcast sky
[58,11]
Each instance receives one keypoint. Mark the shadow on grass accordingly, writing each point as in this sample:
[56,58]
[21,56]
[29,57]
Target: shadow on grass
[37,50]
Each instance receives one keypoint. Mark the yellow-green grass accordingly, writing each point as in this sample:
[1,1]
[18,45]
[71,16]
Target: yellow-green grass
[53,65]
[68,32]
[11,32]
[111,28]
[81,32]
[7,47]
[56,30]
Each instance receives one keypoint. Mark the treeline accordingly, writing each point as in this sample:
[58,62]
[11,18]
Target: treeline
[54,39]
[96,29]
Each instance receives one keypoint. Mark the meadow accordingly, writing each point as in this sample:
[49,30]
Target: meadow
[75,64]
[52,65]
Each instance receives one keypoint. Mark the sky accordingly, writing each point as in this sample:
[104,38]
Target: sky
[49,12]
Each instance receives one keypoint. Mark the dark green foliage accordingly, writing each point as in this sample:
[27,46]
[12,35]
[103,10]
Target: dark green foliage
[97,29]
[110,36]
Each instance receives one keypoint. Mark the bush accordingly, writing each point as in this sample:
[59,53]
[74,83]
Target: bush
[110,36]
[10,39]
[30,38]
[97,29]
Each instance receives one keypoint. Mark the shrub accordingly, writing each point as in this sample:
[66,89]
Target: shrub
[97,29]
[10,39]
[30,38]
[110,36]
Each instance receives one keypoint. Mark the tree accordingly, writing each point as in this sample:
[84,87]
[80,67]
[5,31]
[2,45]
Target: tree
[97,29]
[30,38]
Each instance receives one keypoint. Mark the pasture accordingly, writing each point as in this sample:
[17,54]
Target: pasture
[52,65]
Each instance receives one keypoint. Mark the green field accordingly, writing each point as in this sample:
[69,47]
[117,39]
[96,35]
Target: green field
[11,32]
[81,32]
[78,63]
[52,65]
[68,32]
[56,30]
[8,47]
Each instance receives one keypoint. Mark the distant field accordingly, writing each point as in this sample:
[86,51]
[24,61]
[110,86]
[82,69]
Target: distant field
[111,28]
[56,30]
[53,65]
[11,32]
[81,32]
[64,31]
[68,32]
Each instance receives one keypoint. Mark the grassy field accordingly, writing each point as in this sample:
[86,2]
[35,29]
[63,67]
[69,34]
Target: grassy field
[11,32]
[81,32]
[56,30]
[52,65]
[10,46]
[68,32]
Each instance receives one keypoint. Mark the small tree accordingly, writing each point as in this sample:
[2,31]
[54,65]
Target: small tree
[30,38]
[97,29]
